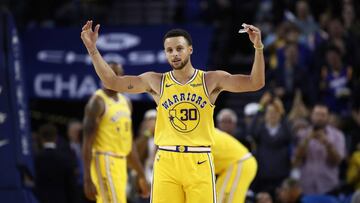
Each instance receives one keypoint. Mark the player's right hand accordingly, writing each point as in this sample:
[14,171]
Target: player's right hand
[144,187]
[90,189]
[90,36]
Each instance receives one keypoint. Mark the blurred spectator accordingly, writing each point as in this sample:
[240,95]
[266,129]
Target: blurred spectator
[356,197]
[298,109]
[351,23]
[145,142]
[321,34]
[275,41]
[335,84]
[227,120]
[74,133]
[298,115]
[320,150]
[291,192]
[299,124]
[291,76]
[304,20]
[294,60]
[263,197]
[55,175]
[337,37]
[250,110]
[272,137]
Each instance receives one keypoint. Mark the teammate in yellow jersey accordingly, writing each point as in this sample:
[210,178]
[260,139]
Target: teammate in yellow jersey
[108,147]
[235,168]
[183,167]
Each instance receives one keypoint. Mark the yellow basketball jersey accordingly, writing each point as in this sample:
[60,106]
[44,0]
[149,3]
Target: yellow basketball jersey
[226,150]
[185,113]
[114,133]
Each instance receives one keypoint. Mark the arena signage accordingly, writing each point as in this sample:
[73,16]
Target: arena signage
[58,66]
[15,144]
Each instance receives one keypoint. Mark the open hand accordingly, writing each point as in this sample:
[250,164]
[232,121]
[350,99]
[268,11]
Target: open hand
[90,36]
[254,34]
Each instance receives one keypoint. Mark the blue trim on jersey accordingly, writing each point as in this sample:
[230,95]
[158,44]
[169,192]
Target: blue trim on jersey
[178,151]
[188,82]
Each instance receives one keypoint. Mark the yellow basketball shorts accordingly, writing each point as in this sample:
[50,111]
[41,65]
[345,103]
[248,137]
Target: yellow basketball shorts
[232,184]
[180,177]
[109,175]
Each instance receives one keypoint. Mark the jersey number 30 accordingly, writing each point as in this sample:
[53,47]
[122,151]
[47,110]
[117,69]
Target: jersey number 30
[188,114]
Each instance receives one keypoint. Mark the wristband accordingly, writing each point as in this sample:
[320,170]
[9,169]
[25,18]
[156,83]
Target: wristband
[259,48]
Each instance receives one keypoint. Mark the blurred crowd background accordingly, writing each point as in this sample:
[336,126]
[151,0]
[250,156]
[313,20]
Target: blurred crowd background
[312,52]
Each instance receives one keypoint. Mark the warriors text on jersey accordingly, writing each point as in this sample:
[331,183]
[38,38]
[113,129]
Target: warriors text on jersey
[185,113]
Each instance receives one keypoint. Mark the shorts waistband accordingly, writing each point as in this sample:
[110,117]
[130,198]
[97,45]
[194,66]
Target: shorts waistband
[110,154]
[185,149]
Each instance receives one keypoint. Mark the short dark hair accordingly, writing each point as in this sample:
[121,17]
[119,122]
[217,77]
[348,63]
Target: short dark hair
[178,33]
[291,183]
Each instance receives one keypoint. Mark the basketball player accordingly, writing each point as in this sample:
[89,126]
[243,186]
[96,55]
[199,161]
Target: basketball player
[235,168]
[108,147]
[185,96]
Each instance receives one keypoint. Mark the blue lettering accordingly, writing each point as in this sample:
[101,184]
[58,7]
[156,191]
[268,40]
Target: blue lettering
[188,97]
[193,97]
[176,100]
[203,104]
[165,105]
[199,100]
[170,102]
[182,96]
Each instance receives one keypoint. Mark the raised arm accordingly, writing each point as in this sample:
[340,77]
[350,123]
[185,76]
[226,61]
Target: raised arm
[218,81]
[130,84]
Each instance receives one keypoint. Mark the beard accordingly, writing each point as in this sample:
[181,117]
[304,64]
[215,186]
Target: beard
[182,64]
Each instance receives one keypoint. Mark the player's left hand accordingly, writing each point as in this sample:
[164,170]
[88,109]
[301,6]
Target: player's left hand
[144,187]
[254,34]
